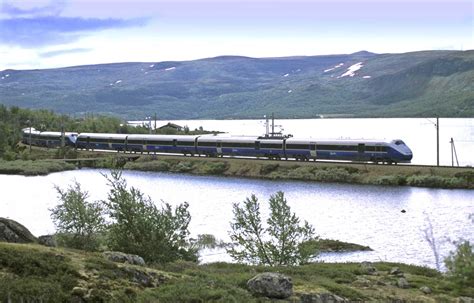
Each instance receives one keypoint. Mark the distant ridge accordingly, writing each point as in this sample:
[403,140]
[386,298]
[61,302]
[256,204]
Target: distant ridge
[362,84]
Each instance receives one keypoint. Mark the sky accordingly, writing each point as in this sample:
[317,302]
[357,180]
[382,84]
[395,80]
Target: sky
[37,34]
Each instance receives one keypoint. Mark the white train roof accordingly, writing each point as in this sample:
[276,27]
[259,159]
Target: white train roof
[336,142]
[163,137]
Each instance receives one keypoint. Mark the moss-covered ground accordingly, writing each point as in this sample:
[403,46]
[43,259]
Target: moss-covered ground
[31,272]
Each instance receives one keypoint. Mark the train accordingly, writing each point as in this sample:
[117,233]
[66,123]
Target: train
[270,147]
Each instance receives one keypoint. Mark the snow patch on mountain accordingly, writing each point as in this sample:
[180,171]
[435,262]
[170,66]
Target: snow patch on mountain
[351,71]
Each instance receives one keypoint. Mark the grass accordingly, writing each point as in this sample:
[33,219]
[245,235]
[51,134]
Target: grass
[33,273]
[34,168]
[354,173]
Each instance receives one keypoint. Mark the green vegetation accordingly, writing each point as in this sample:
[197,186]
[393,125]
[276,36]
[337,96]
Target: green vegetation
[78,222]
[33,168]
[283,242]
[32,272]
[328,245]
[460,264]
[140,227]
[417,84]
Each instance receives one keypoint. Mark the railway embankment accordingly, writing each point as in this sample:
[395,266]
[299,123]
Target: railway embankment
[355,173]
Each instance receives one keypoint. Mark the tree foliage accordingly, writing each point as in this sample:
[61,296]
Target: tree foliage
[140,227]
[460,264]
[283,242]
[78,221]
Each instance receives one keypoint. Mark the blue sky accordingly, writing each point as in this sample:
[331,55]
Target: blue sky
[47,34]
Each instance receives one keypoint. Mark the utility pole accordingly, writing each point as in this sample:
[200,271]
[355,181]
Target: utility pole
[437,140]
[453,153]
[29,140]
[266,125]
[273,124]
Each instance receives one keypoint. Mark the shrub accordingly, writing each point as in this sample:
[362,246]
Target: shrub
[460,264]
[184,167]
[265,169]
[215,168]
[391,180]
[281,243]
[434,181]
[78,222]
[139,227]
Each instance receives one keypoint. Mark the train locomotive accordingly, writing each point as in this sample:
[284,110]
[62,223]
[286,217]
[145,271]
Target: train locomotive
[395,151]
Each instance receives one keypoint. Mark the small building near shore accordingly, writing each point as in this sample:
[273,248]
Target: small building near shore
[170,125]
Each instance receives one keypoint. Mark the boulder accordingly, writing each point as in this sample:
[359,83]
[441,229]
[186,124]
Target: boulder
[47,240]
[369,268]
[271,285]
[426,290]
[395,271]
[14,232]
[322,298]
[403,283]
[465,300]
[120,257]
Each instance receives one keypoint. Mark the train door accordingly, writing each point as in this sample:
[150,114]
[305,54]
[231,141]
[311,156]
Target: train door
[361,151]
[219,147]
[312,149]
[88,143]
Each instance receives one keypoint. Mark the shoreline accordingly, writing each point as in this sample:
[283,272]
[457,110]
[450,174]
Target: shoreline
[338,172]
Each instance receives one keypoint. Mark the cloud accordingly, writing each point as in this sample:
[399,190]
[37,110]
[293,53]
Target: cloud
[52,9]
[53,30]
[64,52]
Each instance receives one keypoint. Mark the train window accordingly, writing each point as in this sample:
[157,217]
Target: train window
[361,148]
[219,144]
[257,144]
[185,143]
[175,142]
[206,144]
[313,146]
[399,142]
[271,145]
[297,146]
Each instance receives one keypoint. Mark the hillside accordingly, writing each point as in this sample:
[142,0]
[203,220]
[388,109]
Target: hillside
[33,273]
[363,84]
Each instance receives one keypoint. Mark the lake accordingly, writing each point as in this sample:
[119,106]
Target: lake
[367,215]
[418,134]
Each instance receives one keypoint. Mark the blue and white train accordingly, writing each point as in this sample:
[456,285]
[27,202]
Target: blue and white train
[395,151]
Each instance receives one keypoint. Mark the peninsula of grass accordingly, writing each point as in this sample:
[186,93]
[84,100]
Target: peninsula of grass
[33,273]
[396,175]
[44,161]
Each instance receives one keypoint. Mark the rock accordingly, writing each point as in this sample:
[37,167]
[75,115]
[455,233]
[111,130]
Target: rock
[79,291]
[322,298]
[426,290]
[271,285]
[120,257]
[403,283]
[465,300]
[395,271]
[369,268]
[144,278]
[14,232]
[47,240]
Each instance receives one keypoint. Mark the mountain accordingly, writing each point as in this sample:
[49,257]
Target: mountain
[363,84]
